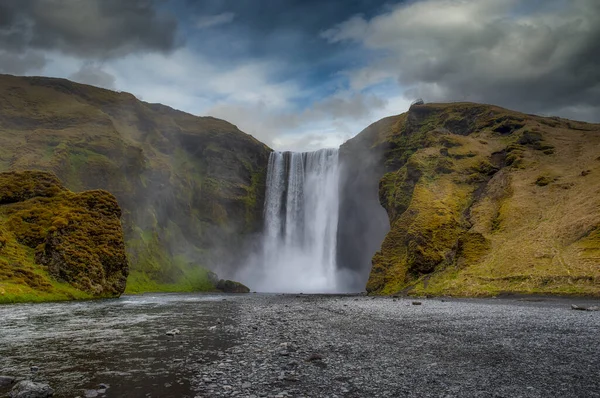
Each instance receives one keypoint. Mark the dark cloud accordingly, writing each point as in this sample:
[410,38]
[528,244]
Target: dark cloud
[544,60]
[98,29]
[20,64]
[92,74]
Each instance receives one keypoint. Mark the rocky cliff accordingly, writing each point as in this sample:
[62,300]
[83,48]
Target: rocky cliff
[56,244]
[191,188]
[482,200]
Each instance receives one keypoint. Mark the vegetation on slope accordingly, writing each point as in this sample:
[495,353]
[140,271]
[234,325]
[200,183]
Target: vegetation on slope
[191,188]
[482,200]
[58,245]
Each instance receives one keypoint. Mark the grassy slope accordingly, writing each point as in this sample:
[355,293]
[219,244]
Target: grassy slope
[184,183]
[483,200]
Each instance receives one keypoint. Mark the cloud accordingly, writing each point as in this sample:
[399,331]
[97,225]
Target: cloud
[91,28]
[20,64]
[324,124]
[209,21]
[542,59]
[94,75]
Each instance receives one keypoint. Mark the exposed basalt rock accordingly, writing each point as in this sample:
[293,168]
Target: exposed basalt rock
[465,219]
[227,286]
[362,223]
[76,238]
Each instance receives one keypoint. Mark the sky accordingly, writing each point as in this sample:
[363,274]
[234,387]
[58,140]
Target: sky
[302,75]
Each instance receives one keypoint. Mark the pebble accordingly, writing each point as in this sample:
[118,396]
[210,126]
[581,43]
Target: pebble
[340,347]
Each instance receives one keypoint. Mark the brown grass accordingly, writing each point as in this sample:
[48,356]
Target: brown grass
[532,227]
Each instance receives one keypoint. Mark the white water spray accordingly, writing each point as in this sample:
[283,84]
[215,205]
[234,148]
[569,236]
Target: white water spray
[301,220]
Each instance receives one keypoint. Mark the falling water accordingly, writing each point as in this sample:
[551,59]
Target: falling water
[301,219]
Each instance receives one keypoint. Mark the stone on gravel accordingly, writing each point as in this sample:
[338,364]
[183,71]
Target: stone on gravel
[315,357]
[173,332]
[585,308]
[416,303]
[30,389]
[90,393]
[6,381]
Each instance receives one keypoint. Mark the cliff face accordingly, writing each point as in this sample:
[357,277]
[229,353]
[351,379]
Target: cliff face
[191,188]
[482,200]
[55,244]
[363,222]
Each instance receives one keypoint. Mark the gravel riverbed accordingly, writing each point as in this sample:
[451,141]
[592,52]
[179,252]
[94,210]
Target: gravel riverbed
[328,346]
[304,346]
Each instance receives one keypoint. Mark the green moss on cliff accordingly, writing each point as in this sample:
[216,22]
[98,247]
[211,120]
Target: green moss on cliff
[57,244]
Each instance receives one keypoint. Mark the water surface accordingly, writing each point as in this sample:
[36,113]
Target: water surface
[120,342]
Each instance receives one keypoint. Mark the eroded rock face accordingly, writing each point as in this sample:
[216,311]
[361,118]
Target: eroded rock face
[363,222]
[77,238]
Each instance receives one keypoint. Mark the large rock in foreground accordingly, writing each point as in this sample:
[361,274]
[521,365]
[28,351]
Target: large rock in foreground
[56,244]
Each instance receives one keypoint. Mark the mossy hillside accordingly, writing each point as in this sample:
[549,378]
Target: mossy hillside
[468,214]
[195,185]
[55,244]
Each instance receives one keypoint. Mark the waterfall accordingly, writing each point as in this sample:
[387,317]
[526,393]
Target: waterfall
[301,219]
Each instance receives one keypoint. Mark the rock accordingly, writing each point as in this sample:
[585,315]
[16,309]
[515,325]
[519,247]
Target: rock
[585,308]
[67,247]
[246,385]
[227,286]
[6,381]
[315,357]
[416,303]
[90,393]
[173,332]
[30,389]
[34,368]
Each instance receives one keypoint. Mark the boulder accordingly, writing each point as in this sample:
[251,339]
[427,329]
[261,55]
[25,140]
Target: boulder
[30,389]
[227,286]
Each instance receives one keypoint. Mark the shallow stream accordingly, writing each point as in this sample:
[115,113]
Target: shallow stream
[121,343]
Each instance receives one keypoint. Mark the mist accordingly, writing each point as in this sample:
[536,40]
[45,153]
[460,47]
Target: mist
[308,222]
